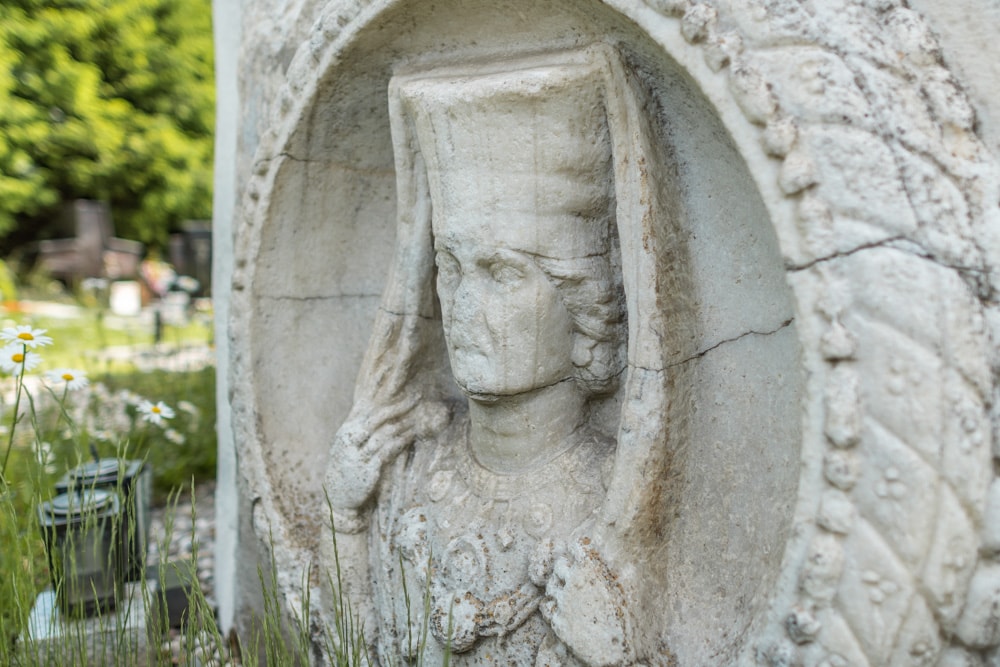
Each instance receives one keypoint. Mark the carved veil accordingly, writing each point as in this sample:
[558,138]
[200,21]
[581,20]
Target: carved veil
[403,385]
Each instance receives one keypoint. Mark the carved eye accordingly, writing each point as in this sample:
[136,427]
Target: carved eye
[506,274]
[448,269]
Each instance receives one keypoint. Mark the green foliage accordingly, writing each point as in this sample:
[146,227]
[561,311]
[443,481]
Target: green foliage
[105,415]
[55,433]
[8,283]
[110,100]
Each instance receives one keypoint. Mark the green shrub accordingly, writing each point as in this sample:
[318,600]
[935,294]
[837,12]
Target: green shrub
[8,285]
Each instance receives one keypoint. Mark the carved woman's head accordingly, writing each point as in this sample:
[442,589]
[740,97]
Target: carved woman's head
[522,210]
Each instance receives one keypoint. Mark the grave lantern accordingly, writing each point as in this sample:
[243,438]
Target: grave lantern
[84,549]
[134,486]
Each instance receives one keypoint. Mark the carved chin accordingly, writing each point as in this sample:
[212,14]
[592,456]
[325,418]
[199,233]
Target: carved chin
[477,390]
[480,396]
[482,386]
[472,373]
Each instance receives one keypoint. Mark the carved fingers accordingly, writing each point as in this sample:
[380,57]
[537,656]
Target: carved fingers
[392,428]
[362,444]
[585,606]
[371,439]
[351,476]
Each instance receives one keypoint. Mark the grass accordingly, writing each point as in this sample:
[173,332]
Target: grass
[57,430]
[108,345]
[110,638]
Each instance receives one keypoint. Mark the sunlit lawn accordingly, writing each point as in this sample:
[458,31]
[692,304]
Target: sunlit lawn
[110,349]
[95,342]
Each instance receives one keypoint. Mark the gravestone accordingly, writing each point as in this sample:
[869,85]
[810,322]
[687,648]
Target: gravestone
[632,333]
[94,251]
[190,253]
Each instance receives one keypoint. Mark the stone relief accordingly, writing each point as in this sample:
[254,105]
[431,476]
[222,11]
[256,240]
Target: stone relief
[513,182]
[885,205]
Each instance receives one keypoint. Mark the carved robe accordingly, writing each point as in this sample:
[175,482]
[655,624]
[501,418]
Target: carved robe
[487,541]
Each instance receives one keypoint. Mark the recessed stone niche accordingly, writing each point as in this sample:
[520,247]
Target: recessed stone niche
[775,306]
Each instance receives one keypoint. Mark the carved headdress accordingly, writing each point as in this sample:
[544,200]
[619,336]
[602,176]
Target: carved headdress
[531,144]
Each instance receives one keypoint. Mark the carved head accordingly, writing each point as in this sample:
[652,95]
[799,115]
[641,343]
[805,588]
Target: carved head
[519,173]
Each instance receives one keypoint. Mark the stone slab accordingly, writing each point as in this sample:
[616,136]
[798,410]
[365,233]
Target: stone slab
[121,637]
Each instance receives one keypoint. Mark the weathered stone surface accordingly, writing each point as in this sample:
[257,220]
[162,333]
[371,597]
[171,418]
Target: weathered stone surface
[800,453]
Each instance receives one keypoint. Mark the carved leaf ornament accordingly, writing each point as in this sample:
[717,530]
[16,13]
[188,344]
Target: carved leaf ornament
[894,260]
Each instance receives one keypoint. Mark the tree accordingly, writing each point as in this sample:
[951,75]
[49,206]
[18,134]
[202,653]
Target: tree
[110,100]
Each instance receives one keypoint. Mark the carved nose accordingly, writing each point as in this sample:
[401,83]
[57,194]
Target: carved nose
[468,324]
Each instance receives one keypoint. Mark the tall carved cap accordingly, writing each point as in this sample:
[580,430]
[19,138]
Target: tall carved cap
[531,142]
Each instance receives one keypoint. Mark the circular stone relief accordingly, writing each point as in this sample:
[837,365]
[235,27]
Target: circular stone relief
[829,367]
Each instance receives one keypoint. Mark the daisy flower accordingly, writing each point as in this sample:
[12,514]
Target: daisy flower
[130,397]
[25,335]
[14,358]
[174,436]
[188,407]
[155,413]
[73,378]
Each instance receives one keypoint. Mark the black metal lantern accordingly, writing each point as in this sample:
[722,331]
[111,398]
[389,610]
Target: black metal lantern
[132,479]
[84,547]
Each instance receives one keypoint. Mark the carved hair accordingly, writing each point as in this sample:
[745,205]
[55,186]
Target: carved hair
[591,289]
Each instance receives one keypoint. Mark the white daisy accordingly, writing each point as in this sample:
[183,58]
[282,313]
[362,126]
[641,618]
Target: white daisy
[188,407]
[14,358]
[73,378]
[130,397]
[174,436]
[155,413]
[25,335]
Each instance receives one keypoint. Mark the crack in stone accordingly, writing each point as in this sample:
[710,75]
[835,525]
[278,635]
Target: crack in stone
[914,249]
[847,253]
[702,353]
[976,277]
[417,315]
[973,276]
[338,164]
[294,158]
[319,297]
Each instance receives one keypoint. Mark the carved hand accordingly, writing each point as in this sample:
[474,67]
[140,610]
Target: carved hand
[585,605]
[368,441]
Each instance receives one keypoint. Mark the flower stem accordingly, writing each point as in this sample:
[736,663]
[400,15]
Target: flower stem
[14,419]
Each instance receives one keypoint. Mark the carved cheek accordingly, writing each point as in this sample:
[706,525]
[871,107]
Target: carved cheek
[466,309]
[471,342]
[510,322]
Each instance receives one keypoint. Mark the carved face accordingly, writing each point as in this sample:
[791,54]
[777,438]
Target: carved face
[506,327]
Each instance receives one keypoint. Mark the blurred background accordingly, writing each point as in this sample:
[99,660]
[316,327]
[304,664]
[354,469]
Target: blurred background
[106,135]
